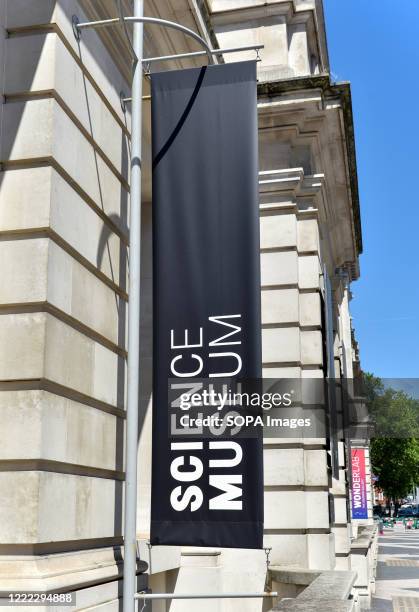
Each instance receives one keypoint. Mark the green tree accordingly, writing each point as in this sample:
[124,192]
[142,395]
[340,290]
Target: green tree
[393,413]
[395,462]
[395,447]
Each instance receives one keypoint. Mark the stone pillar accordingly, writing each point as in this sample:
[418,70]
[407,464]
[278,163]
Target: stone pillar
[298,52]
[297,522]
[341,520]
[339,493]
[257,26]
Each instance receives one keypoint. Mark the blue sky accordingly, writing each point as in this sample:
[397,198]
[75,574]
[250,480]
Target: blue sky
[374,44]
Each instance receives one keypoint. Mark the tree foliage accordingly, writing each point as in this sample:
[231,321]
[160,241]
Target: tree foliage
[395,447]
[395,462]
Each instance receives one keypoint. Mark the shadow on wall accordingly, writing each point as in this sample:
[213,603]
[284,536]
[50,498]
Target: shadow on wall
[23,70]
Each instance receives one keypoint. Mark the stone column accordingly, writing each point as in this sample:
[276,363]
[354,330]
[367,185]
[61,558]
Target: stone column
[297,522]
[339,493]
[298,52]
[258,26]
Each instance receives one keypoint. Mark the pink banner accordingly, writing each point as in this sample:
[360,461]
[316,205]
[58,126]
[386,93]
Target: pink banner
[358,484]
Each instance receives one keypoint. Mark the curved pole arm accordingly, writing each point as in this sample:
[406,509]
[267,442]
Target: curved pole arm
[153,21]
[176,26]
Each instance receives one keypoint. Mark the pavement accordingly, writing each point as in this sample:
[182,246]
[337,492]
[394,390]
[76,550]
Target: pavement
[397,581]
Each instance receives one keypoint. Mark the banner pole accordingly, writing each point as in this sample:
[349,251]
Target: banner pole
[170,596]
[131,424]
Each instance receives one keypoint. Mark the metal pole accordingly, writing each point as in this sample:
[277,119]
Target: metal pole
[205,595]
[192,54]
[131,423]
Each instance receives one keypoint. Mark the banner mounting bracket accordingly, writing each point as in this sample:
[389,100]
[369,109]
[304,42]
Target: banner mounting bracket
[144,595]
[210,53]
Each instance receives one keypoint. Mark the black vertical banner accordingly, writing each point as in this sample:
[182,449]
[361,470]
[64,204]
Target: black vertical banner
[206,297]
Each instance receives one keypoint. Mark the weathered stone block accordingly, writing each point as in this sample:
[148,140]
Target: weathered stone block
[42,62]
[19,506]
[340,510]
[278,231]
[342,539]
[279,306]
[56,428]
[283,466]
[298,53]
[72,507]
[321,550]
[24,271]
[287,550]
[315,468]
[40,346]
[309,510]
[47,506]
[79,293]
[279,268]
[277,510]
[25,198]
[38,128]
[308,272]
[280,345]
[278,372]
[32,198]
[307,235]
[310,309]
[22,343]
[311,347]
[317,505]
[91,50]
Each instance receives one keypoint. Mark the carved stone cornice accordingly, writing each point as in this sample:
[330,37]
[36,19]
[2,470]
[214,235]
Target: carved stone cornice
[289,99]
[292,11]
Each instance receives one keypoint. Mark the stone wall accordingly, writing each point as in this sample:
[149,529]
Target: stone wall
[63,217]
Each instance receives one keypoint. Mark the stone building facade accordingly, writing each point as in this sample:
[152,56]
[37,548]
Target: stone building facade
[64,200]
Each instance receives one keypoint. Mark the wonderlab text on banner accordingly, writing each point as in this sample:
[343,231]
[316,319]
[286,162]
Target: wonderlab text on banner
[358,484]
